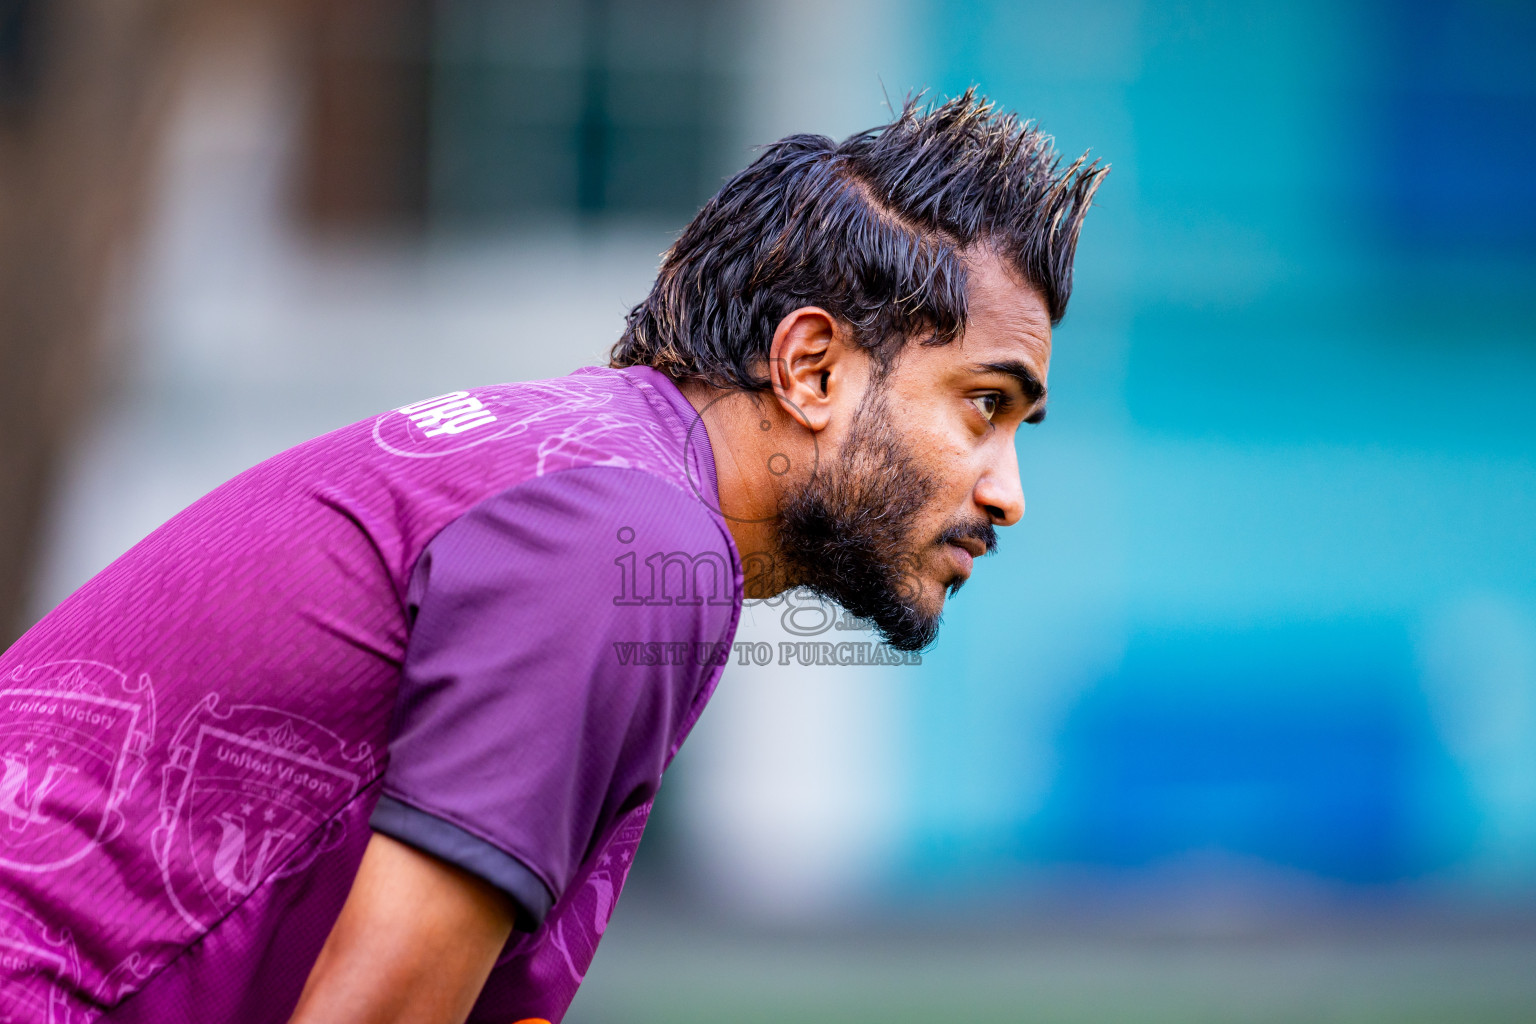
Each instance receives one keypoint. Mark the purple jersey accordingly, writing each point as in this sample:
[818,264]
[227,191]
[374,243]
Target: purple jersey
[482,624]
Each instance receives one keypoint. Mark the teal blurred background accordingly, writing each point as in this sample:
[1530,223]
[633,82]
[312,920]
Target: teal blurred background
[1276,598]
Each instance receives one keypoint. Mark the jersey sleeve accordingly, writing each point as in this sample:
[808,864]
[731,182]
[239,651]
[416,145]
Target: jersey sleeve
[561,636]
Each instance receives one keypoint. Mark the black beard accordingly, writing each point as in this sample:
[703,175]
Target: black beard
[847,535]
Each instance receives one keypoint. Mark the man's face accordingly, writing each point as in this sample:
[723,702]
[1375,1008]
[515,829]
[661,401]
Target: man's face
[926,469]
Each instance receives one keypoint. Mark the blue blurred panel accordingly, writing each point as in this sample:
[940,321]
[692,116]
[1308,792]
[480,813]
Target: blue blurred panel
[1309,747]
[1459,124]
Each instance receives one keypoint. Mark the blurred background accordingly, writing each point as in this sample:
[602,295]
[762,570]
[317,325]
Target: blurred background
[1239,725]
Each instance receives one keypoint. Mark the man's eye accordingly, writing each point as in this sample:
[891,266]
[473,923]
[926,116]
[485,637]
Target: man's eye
[987,405]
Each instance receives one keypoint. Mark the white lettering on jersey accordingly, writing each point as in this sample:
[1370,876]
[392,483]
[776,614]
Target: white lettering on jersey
[453,413]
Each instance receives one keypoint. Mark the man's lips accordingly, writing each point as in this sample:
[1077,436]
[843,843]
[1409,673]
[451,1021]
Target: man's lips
[965,552]
[965,546]
[971,546]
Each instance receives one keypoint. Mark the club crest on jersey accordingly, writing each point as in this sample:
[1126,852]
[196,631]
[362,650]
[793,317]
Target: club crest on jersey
[577,922]
[73,735]
[251,793]
[442,425]
[38,967]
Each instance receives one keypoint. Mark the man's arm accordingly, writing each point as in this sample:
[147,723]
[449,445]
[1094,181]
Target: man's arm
[415,942]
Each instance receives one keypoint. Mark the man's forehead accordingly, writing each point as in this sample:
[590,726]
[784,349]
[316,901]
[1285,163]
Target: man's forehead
[1006,317]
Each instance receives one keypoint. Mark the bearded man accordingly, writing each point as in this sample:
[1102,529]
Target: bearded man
[370,733]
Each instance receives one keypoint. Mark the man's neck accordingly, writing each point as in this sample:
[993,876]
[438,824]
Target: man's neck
[753,465]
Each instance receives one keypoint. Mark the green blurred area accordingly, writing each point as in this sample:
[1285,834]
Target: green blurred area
[655,970]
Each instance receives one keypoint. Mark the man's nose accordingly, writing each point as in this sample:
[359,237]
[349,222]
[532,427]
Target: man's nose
[999,492]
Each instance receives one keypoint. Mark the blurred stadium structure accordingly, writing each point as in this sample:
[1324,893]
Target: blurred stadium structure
[1240,725]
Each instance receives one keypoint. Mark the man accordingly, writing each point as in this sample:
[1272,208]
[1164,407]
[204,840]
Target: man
[370,733]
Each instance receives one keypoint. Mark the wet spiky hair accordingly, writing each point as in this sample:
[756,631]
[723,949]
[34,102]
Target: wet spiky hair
[873,229]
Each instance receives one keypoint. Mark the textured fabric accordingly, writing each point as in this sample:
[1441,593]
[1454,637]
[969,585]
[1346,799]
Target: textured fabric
[517,651]
[456,845]
[192,743]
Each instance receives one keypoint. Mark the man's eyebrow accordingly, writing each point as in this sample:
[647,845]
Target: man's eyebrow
[1034,390]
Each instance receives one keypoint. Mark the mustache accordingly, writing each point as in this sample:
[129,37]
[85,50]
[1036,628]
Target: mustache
[977,530]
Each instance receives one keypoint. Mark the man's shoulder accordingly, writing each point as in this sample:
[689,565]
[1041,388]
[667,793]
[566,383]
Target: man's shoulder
[594,416]
[605,509]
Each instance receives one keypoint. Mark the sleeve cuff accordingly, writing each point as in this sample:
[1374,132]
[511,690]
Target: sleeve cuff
[449,842]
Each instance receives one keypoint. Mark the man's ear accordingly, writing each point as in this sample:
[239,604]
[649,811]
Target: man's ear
[806,360]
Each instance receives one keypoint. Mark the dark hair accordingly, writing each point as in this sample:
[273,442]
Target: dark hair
[872,229]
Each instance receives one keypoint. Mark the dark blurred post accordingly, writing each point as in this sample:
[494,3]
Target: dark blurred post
[83,88]
[594,127]
[365,145]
